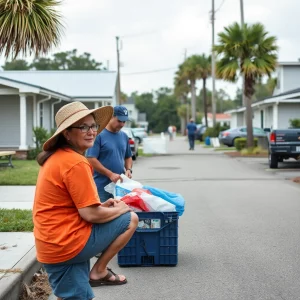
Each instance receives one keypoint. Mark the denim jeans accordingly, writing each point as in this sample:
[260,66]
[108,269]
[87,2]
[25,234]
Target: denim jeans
[191,140]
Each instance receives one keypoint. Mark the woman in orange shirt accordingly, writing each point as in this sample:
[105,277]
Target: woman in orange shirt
[70,223]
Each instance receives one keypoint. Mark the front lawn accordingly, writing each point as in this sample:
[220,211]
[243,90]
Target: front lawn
[15,220]
[24,173]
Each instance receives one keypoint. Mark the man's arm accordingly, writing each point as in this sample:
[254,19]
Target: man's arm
[101,169]
[128,166]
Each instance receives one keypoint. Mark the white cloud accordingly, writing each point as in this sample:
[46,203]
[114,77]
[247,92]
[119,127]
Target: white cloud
[156,33]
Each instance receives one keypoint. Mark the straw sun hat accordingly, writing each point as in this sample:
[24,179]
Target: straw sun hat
[73,112]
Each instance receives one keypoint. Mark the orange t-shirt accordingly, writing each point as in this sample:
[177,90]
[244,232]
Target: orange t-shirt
[65,184]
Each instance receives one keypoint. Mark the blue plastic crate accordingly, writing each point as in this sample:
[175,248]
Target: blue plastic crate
[152,246]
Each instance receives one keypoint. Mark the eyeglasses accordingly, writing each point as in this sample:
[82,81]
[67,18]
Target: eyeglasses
[86,128]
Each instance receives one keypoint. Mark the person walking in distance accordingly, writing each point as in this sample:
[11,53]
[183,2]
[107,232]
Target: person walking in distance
[191,130]
[110,155]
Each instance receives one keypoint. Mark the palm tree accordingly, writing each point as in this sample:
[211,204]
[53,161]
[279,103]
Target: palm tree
[29,26]
[204,71]
[181,91]
[249,51]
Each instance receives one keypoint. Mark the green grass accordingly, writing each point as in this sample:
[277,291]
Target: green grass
[225,149]
[15,220]
[141,153]
[24,173]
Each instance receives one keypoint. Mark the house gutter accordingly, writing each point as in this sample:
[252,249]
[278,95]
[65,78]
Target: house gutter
[52,112]
[38,109]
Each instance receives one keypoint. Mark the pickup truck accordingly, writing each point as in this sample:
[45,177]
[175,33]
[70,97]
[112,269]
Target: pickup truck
[283,144]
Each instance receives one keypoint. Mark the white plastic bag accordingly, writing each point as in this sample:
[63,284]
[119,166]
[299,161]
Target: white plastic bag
[125,187]
[155,203]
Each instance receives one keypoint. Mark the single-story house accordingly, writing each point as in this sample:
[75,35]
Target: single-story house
[31,99]
[223,119]
[273,112]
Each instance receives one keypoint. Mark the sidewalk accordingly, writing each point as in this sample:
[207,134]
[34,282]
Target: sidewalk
[18,257]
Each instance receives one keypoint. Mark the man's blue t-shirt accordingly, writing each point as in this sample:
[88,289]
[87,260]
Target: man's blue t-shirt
[192,128]
[110,149]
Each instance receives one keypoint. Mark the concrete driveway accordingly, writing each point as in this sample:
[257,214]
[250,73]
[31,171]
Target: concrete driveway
[238,238]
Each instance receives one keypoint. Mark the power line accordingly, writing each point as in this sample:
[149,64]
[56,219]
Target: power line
[150,71]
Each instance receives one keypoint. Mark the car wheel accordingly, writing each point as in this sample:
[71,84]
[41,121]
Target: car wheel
[133,157]
[273,161]
[139,140]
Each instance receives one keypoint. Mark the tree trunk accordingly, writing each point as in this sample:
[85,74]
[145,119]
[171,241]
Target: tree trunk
[193,104]
[183,125]
[205,101]
[250,141]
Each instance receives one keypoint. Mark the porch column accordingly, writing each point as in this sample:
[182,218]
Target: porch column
[96,105]
[23,123]
[275,116]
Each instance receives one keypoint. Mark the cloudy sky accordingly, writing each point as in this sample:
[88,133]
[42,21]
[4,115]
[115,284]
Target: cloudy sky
[156,34]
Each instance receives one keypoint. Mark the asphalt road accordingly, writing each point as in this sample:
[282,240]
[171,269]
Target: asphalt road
[238,238]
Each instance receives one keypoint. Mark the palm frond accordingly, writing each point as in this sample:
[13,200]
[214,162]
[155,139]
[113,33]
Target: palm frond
[29,26]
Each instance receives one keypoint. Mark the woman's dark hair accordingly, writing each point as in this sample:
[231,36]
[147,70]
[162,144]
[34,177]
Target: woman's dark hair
[60,143]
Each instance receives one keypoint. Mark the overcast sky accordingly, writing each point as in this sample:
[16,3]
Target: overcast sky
[155,34]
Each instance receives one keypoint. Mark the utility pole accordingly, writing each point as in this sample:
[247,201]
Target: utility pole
[213,65]
[118,100]
[242,12]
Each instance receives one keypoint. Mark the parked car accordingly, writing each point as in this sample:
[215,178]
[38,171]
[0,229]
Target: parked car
[133,142]
[200,132]
[227,137]
[140,133]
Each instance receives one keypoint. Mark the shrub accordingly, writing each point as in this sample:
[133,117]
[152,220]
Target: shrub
[241,143]
[41,135]
[295,123]
[214,131]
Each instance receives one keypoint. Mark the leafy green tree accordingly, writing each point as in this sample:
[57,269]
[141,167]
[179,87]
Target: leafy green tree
[165,113]
[145,104]
[264,90]
[204,71]
[29,26]
[249,51]
[17,64]
[68,60]
[181,91]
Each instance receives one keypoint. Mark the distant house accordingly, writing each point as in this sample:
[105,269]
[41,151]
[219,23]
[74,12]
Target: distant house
[223,119]
[31,99]
[275,111]
[140,119]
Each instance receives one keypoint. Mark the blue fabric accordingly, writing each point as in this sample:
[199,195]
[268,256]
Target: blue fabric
[191,127]
[104,196]
[70,280]
[111,149]
[173,198]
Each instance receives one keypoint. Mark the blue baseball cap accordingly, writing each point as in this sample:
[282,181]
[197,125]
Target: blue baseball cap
[121,113]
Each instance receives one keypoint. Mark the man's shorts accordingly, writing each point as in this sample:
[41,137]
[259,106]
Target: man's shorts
[70,279]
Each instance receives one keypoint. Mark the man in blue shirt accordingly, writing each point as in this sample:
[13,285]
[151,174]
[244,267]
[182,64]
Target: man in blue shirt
[110,155]
[191,130]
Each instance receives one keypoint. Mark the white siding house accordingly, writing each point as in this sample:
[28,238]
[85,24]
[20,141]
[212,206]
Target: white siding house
[31,99]
[276,111]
